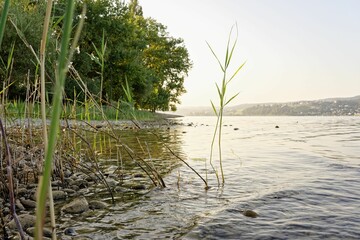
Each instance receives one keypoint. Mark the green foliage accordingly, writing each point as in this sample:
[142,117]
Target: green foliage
[61,70]
[169,62]
[4,13]
[24,29]
[116,41]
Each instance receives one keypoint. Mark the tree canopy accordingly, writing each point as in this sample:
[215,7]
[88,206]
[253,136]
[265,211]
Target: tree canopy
[117,45]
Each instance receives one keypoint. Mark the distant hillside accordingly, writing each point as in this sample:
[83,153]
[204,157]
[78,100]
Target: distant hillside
[323,107]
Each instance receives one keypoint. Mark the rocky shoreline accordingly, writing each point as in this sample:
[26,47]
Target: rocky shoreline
[73,189]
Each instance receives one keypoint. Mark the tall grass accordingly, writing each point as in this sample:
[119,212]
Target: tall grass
[43,105]
[223,101]
[62,68]
[100,60]
[89,110]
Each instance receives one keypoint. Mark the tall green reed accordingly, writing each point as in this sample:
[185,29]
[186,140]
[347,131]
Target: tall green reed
[43,105]
[100,60]
[129,99]
[60,73]
[221,89]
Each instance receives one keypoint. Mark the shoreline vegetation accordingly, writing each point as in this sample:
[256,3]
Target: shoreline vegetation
[74,179]
[51,153]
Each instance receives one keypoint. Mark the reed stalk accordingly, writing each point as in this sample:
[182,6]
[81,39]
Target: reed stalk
[221,89]
[62,68]
[100,60]
[43,106]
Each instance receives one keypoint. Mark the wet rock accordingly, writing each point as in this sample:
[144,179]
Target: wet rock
[6,210]
[138,187]
[59,195]
[27,237]
[26,221]
[69,190]
[19,206]
[67,173]
[91,178]
[81,183]
[33,194]
[97,205]
[78,205]
[250,213]
[75,188]
[120,189]
[27,203]
[83,191]
[68,181]
[111,182]
[56,183]
[21,192]
[78,175]
[82,238]
[139,175]
[32,186]
[46,232]
[70,231]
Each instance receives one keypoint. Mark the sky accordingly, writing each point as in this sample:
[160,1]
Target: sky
[294,49]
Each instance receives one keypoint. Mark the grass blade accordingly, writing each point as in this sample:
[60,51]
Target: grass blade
[222,68]
[231,99]
[234,45]
[214,108]
[4,14]
[236,72]
[62,67]
[223,102]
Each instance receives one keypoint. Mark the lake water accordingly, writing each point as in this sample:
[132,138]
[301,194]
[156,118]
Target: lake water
[302,179]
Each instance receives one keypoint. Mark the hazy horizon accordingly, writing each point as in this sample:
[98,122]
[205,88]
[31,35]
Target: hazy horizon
[245,103]
[294,50]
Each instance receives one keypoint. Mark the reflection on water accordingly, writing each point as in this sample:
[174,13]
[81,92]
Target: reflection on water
[303,180]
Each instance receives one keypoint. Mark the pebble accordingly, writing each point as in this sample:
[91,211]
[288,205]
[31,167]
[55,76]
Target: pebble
[94,204]
[26,221]
[70,231]
[250,213]
[78,205]
[46,232]
[138,187]
[27,203]
[59,195]
[19,206]
[21,192]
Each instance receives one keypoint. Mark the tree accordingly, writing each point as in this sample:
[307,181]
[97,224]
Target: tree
[137,49]
[169,62]
[24,31]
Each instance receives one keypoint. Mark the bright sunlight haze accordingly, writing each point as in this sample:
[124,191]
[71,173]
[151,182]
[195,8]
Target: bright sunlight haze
[294,49]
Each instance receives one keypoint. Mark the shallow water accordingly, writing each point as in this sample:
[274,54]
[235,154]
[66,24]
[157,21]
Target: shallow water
[302,179]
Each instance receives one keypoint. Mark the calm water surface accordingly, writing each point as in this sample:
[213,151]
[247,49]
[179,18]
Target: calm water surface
[303,180]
